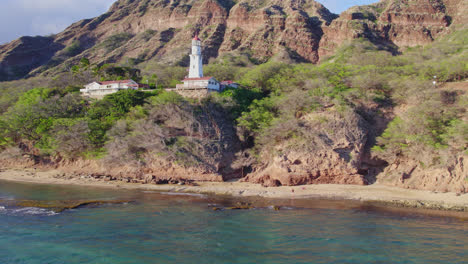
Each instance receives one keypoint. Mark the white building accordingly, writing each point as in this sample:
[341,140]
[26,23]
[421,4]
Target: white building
[209,83]
[195,80]
[100,89]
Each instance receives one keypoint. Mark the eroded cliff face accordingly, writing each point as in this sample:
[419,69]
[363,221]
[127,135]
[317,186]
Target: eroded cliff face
[441,170]
[264,30]
[394,24]
[407,173]
[160,30]
[331,150]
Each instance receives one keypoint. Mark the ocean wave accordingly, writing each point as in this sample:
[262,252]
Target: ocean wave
[177,193]
[185,194]
[27,211]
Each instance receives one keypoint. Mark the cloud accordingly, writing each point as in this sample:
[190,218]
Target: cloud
[44,17]
[60,6]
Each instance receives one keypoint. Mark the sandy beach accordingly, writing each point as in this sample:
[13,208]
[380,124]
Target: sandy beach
[378,194]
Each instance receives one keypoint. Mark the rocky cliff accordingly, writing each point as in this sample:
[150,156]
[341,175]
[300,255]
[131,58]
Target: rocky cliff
[408,173]
[160,30]
[394,24]
[331,149]
[448,175]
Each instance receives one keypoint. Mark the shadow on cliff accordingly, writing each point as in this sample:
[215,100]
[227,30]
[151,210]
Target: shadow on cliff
[372,166]
[27,54]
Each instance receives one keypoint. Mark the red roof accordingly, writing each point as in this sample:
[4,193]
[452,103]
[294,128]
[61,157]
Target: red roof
[196,38]
[197,79]
[227,82]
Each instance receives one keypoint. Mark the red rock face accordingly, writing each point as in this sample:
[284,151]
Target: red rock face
[161,30]
[319,158]
[410,174]
[402,23]
[264,31]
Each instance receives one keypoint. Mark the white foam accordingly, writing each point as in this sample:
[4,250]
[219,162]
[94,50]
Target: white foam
[32,211]
[2,208]
[185,194]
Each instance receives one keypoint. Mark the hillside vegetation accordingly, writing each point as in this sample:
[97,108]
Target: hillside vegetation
[361,116]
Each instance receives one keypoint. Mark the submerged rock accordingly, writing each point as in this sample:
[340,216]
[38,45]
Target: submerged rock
[59,206]
[236,206]
[241,206]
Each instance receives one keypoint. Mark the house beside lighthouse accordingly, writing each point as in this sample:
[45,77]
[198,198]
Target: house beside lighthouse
[195,84]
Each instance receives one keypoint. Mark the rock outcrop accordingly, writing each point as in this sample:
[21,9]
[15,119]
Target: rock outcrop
[442,170]
[394,24]
[265,30]
[408,173]
[302,30]
[331,150]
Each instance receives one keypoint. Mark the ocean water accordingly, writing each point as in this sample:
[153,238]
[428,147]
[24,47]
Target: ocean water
[174,228]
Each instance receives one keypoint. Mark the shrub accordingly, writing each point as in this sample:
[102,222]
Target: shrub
[260,115]
[115,41]
[67,137]
[424,128]
[148,34]
[103,114]
[112,72]
[237,100]
[73,49]
[27,118]
[259,77]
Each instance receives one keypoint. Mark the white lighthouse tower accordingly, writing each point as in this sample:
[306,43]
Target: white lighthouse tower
[196,59]
[195,81]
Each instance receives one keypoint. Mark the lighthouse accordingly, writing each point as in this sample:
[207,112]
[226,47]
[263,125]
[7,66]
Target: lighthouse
[196,59]
[195,84]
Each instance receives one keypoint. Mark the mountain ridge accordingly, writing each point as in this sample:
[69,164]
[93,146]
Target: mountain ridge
[303,30]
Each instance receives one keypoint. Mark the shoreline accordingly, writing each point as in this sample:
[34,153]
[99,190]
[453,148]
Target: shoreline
[375,194]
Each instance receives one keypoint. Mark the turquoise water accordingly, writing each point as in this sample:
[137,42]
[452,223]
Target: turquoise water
[169,228]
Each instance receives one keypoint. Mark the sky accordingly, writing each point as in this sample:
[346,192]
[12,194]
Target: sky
[44,17]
